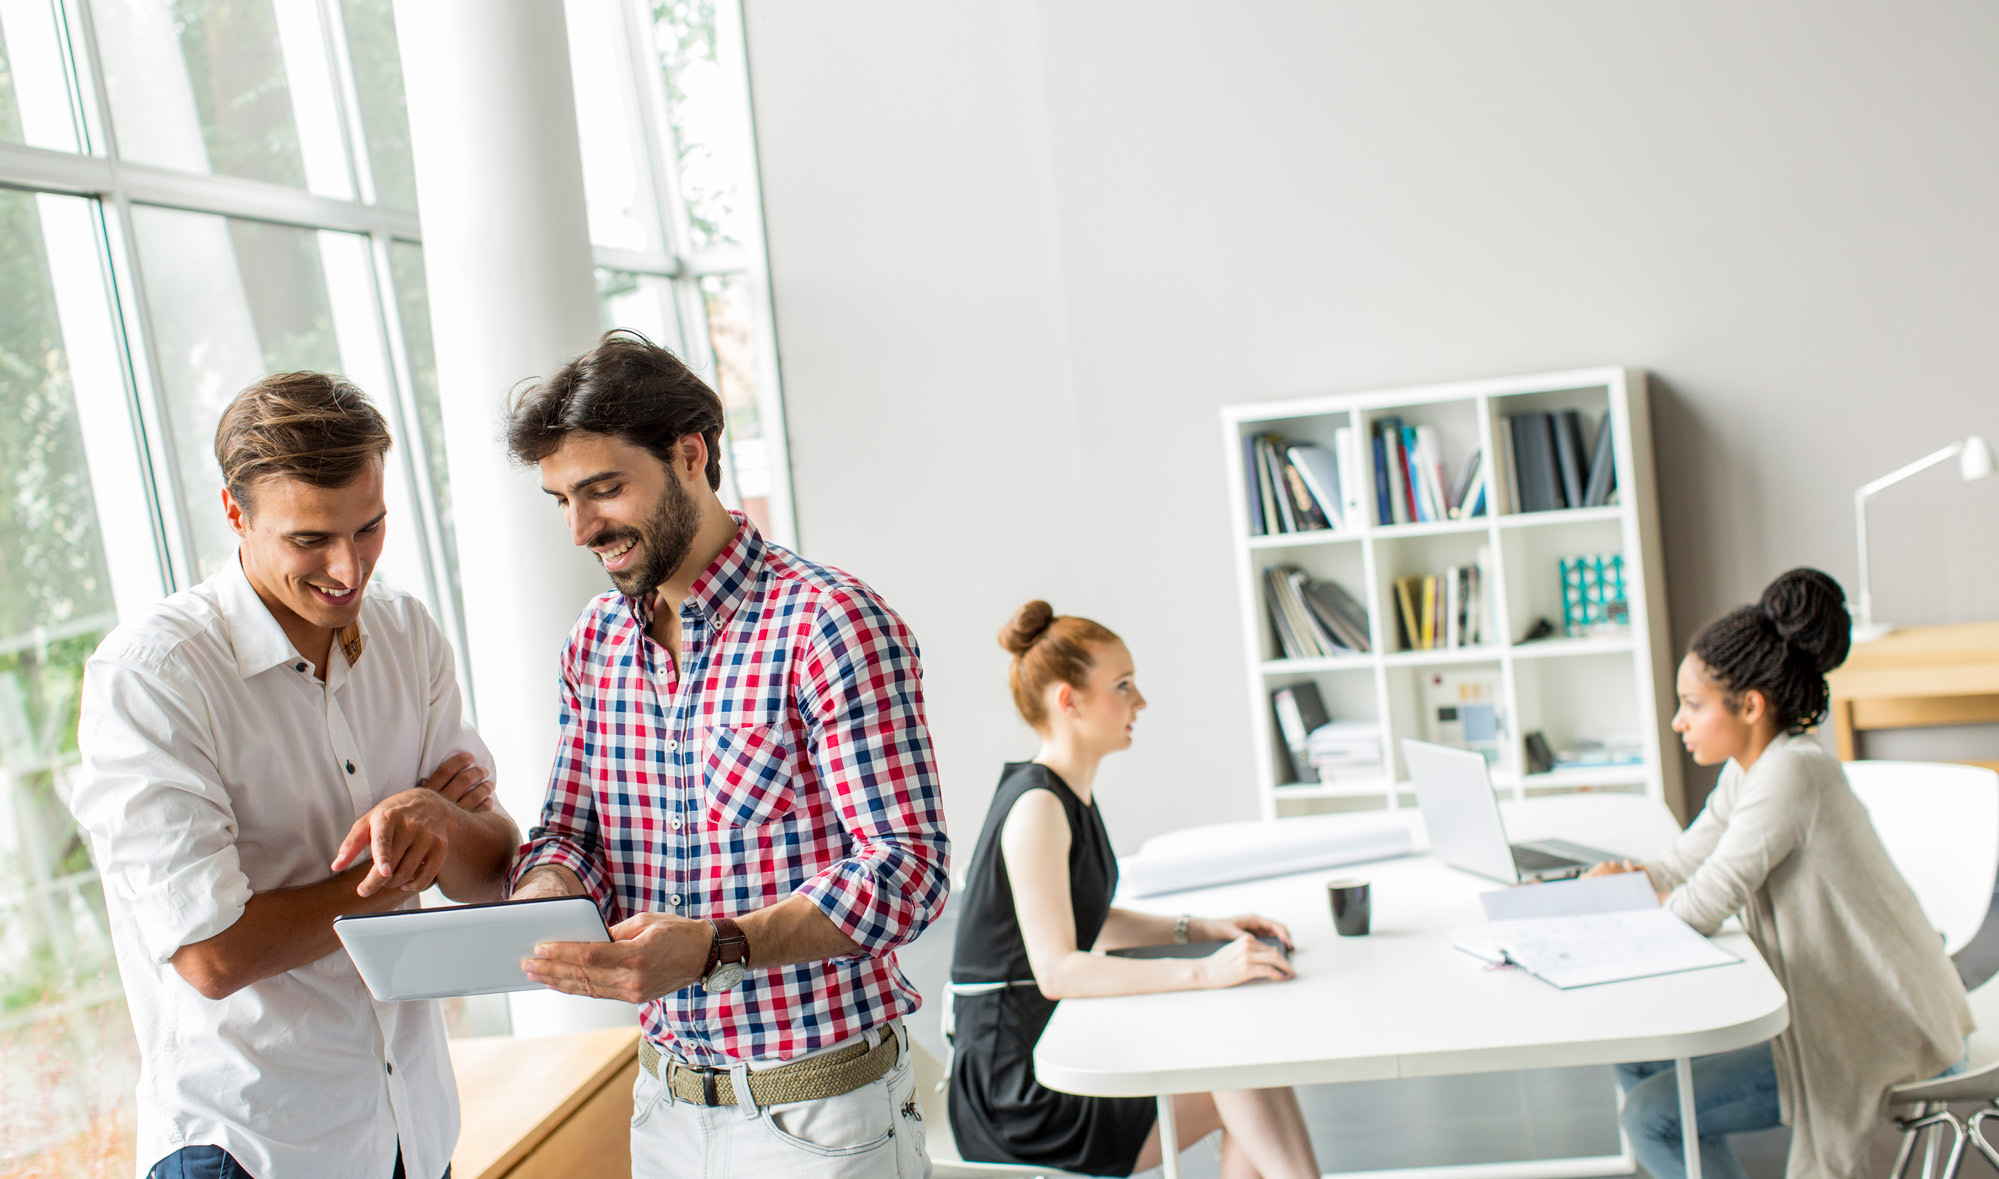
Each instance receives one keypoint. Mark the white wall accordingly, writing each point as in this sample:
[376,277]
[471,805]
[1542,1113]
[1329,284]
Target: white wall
[1023,252]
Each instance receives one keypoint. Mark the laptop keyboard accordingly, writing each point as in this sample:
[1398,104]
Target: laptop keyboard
[1529,860]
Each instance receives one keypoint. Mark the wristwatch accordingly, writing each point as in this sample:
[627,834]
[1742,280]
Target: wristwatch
[728,957]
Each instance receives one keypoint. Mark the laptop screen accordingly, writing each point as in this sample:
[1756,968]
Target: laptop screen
[1459,809]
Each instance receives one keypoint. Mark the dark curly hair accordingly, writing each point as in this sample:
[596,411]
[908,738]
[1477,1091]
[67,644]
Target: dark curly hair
[625,387]
[1783,646]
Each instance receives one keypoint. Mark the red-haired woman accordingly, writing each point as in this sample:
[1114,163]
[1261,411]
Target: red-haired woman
[1037,901]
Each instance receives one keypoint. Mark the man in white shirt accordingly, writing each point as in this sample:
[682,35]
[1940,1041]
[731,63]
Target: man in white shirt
[273,748]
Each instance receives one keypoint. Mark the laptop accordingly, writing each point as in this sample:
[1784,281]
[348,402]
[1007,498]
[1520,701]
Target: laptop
[1455,794]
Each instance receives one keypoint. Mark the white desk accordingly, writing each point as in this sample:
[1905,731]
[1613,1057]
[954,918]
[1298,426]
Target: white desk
[1402,1002]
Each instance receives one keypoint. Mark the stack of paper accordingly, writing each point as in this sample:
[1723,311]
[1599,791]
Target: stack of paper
[1577,933]
[1345,750]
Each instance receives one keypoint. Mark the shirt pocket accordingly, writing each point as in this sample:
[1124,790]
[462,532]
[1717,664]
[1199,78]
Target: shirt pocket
[749,775]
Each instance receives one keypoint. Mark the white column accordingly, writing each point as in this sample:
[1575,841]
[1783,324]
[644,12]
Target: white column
[507,250]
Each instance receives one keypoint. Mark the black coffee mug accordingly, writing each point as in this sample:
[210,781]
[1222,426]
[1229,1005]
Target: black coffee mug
[1351,906]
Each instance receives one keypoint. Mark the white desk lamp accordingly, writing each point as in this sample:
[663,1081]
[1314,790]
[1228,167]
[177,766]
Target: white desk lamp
[1974,461]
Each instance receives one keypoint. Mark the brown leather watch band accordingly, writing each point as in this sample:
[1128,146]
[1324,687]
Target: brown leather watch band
[729,945]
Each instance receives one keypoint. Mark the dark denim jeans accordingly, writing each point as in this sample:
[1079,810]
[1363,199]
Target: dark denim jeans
[213,1162]
[1733,1092]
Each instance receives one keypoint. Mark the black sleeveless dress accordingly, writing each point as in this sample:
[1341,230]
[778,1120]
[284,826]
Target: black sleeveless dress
[999,1112]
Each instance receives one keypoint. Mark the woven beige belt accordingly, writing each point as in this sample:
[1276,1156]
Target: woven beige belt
[813,1079]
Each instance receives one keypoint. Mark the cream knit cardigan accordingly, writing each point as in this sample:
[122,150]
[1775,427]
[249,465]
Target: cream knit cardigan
[1874,1001]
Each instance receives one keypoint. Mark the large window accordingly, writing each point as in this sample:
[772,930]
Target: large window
[663,114]
[194,193]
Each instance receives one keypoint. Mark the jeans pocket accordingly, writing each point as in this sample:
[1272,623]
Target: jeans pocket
[645,1096]
[908,1106]
[850,1124]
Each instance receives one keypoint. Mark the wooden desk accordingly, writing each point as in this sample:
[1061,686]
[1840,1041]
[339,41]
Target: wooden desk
[1916,676]
[554,1107]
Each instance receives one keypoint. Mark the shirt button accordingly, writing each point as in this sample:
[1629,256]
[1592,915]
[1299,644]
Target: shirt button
[675,898]
[676,822]
[392,1070]
[672,744]
[301,668]
[350,767]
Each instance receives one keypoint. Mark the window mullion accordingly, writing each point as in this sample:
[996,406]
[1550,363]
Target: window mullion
[340,61]
[176,542]
[415,450]
[657,119]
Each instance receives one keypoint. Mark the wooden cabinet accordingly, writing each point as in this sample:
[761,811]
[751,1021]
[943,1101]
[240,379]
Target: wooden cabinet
[1916,676]
[552,1107]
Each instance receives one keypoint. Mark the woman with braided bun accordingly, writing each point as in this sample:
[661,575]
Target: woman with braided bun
[1035,903]
[1784,843]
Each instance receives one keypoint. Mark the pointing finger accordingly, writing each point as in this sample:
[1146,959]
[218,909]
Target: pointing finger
[352,845]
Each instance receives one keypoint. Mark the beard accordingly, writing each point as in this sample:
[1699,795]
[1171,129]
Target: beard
[664,540]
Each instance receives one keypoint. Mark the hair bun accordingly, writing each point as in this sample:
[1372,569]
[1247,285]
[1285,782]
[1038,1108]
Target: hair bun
[1808,609]
[1029,623]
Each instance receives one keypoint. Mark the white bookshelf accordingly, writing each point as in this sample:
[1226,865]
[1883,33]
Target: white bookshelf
[1614,683]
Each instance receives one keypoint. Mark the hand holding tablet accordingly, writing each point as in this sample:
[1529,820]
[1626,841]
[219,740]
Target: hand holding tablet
[464,949]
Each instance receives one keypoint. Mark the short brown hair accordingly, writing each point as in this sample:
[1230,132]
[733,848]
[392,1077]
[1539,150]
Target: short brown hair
[313,427]
[1048,649]
[625,387]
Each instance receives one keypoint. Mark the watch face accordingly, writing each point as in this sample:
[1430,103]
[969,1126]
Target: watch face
[724,976]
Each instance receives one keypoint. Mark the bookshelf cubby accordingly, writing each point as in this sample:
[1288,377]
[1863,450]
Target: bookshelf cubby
[1604,683]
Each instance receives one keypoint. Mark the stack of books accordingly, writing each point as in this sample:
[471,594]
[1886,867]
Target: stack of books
[1547,466]
[1345,751]
[1594,752]
[1409,483]
[1313,619]
[1322,750]
[1438,610]
[1299,486]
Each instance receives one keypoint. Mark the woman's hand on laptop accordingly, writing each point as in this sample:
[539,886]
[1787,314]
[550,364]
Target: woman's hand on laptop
[1614,867]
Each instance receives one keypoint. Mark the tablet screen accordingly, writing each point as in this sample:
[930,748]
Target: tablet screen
[462,949]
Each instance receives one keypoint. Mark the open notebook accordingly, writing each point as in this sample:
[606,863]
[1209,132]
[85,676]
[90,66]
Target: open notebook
[1578,933]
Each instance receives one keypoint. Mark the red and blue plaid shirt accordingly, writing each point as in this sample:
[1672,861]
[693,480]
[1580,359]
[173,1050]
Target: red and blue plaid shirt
[791,758]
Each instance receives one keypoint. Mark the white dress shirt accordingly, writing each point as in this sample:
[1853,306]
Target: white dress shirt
[216,765]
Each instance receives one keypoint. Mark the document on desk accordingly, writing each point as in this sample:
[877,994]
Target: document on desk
[1287,846]
[1578,933]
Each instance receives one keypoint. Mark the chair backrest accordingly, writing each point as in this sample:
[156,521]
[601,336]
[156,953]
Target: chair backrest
[932,1090]
[1940,824]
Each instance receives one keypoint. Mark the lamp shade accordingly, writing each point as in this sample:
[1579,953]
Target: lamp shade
[1975,460]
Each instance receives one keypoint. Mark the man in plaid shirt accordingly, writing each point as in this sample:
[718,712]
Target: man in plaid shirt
[744,785]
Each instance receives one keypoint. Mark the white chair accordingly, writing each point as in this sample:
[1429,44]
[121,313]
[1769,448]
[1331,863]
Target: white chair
[1940,824]
[1978,1082]
[932,1090]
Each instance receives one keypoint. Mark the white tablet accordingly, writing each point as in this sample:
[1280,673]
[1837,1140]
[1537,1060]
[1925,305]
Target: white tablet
[464,949]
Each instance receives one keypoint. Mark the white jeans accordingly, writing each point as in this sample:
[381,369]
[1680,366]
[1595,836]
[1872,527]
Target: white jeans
[874,1132]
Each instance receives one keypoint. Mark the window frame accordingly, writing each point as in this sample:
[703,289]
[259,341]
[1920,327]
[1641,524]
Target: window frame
[151,492]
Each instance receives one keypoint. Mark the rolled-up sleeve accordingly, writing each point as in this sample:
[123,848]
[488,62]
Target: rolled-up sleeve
[150,797]
[568,834]
[861,692]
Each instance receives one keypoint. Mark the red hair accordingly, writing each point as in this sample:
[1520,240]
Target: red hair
[1048,649]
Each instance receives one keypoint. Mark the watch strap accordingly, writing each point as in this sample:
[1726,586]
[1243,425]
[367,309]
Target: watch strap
[729,944]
